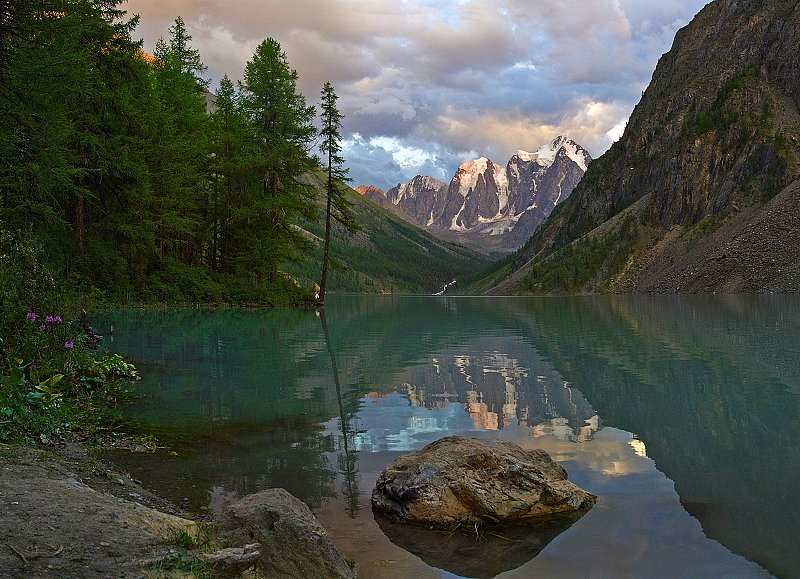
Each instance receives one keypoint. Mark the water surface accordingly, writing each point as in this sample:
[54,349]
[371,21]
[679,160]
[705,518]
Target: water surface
[680,413]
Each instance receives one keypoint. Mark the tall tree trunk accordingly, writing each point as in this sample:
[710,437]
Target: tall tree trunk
[326,256]
[80,224]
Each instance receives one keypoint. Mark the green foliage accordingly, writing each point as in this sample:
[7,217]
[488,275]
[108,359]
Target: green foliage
[281,124]
[112,162]
[388,255]
[183,539]
[183,561]
[714,119]
[184,56]
[704,226]
[232,154]
[24,279]
[337,205]
[745,78]
[54,386]
[720,115]
[574,266]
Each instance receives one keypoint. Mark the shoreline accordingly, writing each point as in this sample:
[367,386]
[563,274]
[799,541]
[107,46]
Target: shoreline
[67,514]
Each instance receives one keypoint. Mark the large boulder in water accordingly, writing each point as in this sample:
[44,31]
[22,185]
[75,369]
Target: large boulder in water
[468,480]
[293,542]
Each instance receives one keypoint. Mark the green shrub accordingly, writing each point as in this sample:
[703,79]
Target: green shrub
[54,385]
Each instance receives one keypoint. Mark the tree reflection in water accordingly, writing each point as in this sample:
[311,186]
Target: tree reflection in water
[347,459]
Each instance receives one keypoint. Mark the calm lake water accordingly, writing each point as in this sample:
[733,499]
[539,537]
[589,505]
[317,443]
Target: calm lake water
[681,413]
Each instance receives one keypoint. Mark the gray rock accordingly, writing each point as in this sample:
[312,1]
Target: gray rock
[293,543]
[232,562]
[467,480]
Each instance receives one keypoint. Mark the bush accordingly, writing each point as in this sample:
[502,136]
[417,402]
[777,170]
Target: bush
[54,385]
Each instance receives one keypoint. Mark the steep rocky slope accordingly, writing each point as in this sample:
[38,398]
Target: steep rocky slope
[715,136]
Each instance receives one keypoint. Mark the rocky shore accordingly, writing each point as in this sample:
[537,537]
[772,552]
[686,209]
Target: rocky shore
[63,513]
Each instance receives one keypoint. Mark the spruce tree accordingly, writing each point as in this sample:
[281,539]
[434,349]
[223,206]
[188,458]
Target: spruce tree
[338,207]
[283,132]
[179,150]
[187,58]
[70,92]
[231,156]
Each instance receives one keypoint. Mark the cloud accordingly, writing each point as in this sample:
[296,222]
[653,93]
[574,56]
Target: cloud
[445,77]
[390,160]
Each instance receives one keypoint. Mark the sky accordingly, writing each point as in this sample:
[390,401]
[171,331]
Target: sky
[426,85]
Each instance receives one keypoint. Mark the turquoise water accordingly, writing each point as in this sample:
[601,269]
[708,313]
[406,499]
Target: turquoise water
[681,413]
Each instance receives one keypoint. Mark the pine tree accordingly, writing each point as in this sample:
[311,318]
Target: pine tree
[283,132]
[69,86]
[231,156]
[104,148]
[338,206]
[187,58]
[179,149]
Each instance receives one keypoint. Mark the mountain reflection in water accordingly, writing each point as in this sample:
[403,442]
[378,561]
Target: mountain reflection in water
[253,399]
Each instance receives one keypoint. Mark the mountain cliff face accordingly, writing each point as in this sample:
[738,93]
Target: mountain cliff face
[714,137]
[492,206]
[419,199]
[375,195]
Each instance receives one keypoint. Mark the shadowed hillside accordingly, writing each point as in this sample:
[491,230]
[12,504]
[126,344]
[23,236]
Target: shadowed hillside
[675,204]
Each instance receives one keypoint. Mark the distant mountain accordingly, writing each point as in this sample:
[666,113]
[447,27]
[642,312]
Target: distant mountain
[701,193]
[389,255]
[489,206]
[372,193]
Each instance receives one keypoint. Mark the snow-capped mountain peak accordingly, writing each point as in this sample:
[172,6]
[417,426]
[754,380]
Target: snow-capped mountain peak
[466,178]
[575,152]
[468,174]
[485,201]
[545,155]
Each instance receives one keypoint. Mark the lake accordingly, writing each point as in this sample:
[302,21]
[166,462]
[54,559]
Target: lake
[682,413]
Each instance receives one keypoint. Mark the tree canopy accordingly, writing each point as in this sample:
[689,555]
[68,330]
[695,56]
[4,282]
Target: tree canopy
[137,181]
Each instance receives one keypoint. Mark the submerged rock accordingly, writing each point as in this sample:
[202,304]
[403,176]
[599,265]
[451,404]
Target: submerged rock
[293,542]
[467,480]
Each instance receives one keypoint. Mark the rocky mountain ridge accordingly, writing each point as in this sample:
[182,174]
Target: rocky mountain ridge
[715,136]
[488,205]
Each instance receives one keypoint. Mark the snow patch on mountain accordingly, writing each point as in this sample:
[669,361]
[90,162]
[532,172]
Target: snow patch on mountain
[468,174]
[545,155]
[501,180]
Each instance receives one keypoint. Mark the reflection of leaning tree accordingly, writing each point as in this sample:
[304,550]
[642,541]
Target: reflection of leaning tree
[348,458]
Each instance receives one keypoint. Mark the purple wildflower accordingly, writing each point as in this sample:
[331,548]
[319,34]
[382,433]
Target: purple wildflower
[49,320]
[57,319]
[43,327]
[69,345]
[31,315]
